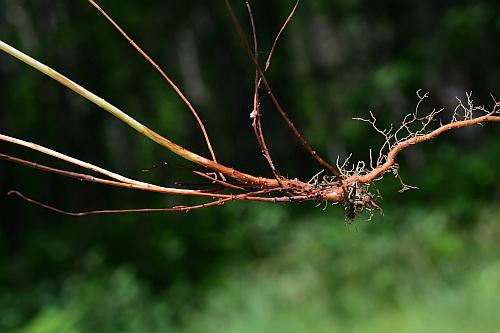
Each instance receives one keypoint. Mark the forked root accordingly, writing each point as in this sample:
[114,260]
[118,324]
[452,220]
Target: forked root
[348,184]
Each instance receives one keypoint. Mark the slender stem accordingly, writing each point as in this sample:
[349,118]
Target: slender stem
[118,211]
[173,147]
[220,201]
[215,180]
[255,115]
[276,39]
[144,186]
[165,76]
[132,184]
[281,111]
[69,159]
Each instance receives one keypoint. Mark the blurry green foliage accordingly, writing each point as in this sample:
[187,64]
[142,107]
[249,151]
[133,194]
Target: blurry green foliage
[412,274]
[430,264]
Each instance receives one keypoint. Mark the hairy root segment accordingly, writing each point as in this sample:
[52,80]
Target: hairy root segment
[353,191]
[350,184]
[414,128]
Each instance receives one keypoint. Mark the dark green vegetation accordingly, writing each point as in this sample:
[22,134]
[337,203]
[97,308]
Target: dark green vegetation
[431,264]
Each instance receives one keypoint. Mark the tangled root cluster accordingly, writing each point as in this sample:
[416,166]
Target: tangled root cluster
[359,177]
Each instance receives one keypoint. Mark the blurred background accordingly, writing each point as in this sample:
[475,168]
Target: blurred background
[432,263]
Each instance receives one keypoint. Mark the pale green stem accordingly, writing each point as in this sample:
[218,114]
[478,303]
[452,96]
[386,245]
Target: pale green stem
[175,148]
[101,103]
[135,183]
